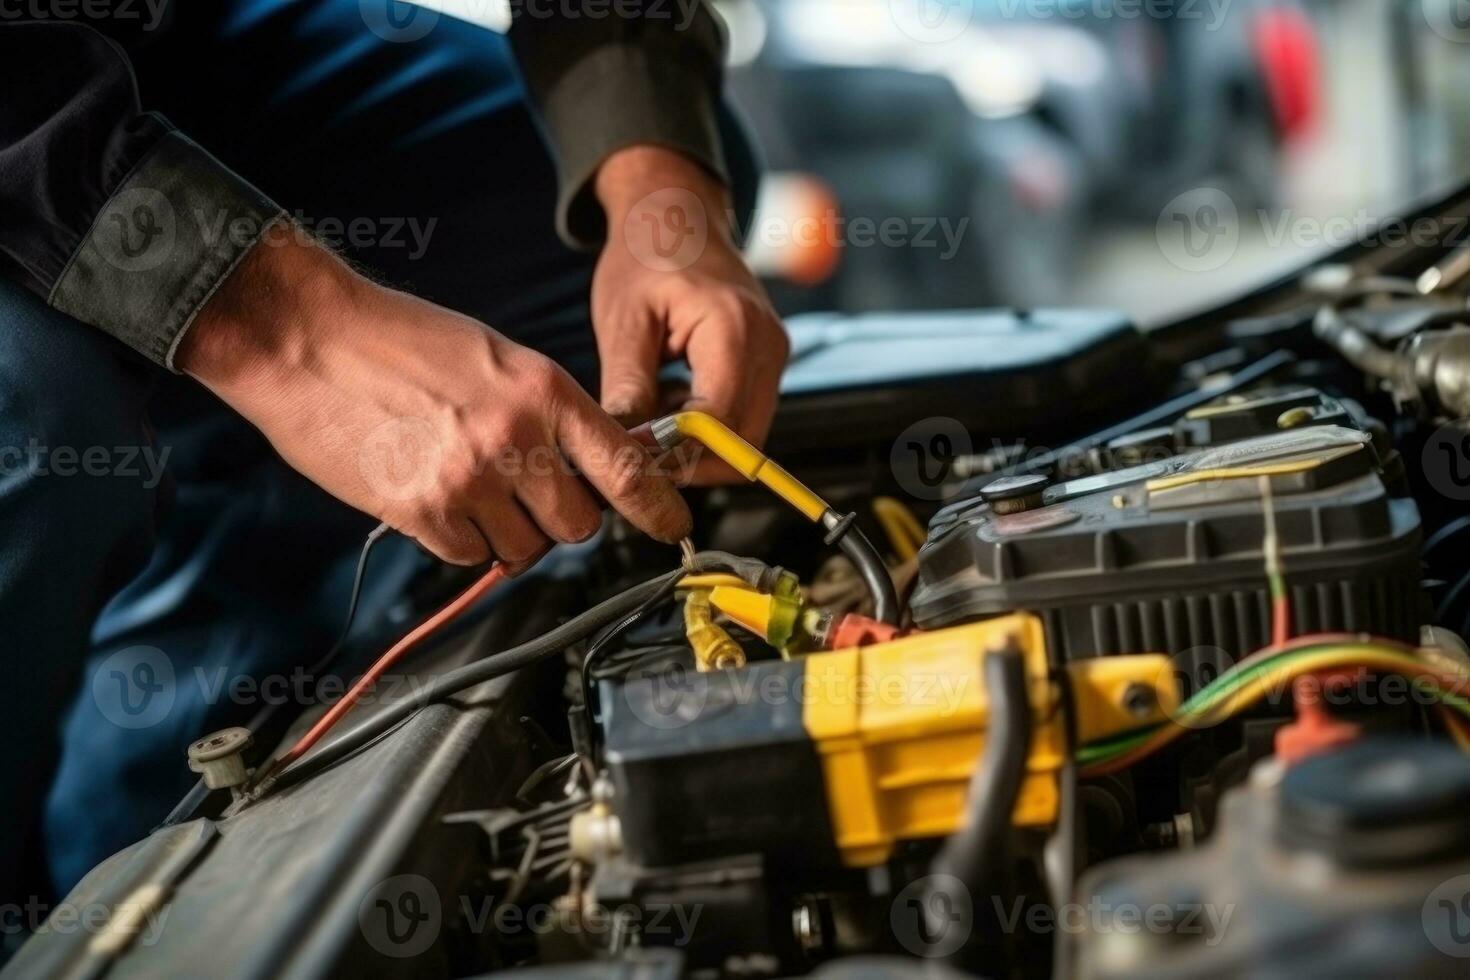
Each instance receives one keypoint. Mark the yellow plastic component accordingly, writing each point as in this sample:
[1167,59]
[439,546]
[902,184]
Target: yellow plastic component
[1112,695]
[771,617]
[713,647]
[900,726]
[905,534]
[715,436]
[1247,472]
[713,580]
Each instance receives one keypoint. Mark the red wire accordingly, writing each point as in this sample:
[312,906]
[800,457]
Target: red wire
[427,628]
[1280,621]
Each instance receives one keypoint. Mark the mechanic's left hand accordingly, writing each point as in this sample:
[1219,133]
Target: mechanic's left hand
[671,283]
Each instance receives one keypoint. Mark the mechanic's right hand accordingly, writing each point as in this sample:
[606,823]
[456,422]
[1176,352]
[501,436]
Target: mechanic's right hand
[424,418]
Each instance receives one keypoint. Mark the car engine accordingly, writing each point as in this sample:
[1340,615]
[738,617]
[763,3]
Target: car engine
[1051,648]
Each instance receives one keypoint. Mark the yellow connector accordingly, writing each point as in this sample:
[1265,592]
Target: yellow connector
[900,726]
[744,458]
[713,647]
[771,617]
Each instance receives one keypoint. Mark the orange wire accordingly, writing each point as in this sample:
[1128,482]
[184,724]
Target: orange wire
[1280,621]
[428,627]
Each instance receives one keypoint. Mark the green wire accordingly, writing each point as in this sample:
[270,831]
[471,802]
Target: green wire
[1230,682]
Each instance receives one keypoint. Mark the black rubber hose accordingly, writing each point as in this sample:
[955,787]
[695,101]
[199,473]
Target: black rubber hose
[549,644]
[975,861]
[860,551]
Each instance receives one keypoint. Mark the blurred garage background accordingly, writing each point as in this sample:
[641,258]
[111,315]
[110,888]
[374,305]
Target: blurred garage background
[1151,156]
[1065,136]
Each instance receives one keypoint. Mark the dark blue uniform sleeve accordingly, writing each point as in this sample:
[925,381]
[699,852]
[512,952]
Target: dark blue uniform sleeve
[105,210]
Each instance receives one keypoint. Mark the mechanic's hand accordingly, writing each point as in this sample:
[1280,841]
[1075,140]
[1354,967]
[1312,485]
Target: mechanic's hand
[671,284]
[424,418]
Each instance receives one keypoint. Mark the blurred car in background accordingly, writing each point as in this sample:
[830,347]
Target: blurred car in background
[1034,118]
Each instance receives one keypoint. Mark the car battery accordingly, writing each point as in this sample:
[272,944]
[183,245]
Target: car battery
[1169,555]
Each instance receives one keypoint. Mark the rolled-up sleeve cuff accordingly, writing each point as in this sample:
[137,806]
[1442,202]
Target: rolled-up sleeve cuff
[619,96]
[171,233]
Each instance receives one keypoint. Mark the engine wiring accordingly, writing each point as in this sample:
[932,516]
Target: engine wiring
[1270,672]
[905,534]
[667,432]
[1275,578]
[625,607]
[369,679]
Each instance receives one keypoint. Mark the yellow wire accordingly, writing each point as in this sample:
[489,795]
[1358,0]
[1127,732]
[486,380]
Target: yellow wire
[1278,679]
[905,533]
[749,462]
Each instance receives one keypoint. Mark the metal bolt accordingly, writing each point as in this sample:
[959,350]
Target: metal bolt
[806,924]
[1294,417]
[1139,699]
[220,758]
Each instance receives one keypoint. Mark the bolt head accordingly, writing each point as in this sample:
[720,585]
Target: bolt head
[219,745]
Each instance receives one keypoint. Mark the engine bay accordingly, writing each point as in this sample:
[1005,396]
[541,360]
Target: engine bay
[1073,651]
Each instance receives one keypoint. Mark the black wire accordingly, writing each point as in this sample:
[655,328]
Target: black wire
[461,679]
[198,793]
[611,633]
[330,657]
[978,855]
[860,551]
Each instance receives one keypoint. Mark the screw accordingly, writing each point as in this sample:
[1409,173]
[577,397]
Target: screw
[1139,699]
[806,923]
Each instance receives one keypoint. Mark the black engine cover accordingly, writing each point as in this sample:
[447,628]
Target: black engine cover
[1160,558]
